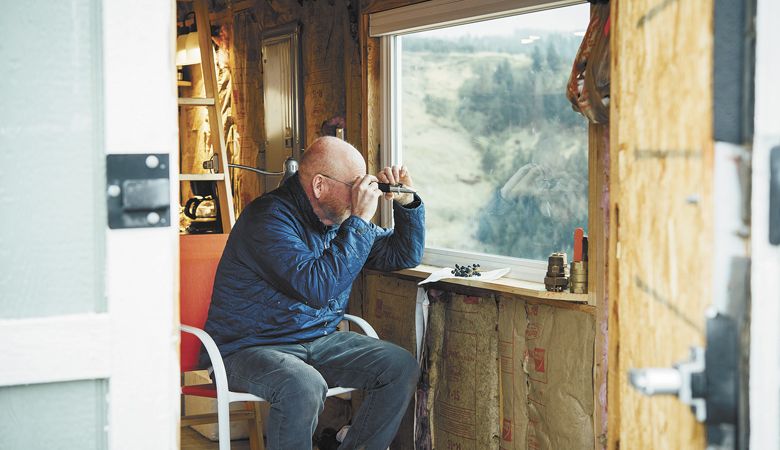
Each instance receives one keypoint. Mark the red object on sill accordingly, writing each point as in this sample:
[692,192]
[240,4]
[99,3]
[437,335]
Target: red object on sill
[578,234]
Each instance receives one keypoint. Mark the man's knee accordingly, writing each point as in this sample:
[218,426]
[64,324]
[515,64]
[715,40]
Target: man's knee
[305,391]
[410,369]
[403,366]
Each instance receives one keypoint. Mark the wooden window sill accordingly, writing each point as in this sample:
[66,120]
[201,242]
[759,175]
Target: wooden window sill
[524,289]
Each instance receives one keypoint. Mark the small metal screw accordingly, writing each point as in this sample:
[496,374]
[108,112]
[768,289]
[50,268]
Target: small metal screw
[114,190]
[152,161]
[153,218]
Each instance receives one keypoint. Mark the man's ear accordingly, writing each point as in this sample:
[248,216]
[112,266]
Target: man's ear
[317,186]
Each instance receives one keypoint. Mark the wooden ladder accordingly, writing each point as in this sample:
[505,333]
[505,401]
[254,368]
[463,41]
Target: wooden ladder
[222,174]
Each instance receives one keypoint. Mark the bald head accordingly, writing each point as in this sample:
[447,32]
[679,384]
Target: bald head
[327,169]
[333,157]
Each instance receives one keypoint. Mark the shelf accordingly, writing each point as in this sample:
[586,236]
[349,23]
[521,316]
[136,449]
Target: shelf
[196,101]
[525,289]
[201,177]
[183,83]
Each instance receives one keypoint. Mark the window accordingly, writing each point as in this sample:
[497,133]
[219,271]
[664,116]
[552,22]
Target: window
[478,113]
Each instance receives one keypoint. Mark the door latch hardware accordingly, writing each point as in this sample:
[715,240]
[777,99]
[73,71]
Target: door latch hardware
[708,382]
[138,191]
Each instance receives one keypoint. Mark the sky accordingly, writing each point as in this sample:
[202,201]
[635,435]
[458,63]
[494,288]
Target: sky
[570,18]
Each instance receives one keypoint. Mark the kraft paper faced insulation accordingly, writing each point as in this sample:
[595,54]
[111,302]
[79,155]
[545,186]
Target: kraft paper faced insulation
[498,372]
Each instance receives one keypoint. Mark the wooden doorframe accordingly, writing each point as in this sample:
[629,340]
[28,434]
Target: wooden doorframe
[142,279]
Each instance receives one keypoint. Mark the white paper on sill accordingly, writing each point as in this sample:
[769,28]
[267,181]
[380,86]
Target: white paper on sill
[446,272]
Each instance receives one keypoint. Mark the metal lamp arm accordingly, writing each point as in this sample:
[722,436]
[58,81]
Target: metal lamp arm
[290,167]
[254,169]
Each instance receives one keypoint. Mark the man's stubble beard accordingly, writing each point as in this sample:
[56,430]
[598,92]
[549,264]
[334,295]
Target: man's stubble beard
[335,212]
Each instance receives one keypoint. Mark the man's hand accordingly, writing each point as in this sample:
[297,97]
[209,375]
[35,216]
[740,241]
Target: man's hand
[397,175]
[365,194]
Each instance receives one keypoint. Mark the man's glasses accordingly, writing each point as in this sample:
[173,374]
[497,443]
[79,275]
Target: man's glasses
[337,180]
[384,187]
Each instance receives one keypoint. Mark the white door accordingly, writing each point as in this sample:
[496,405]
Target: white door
[765,282]
[281,99]
[88,316]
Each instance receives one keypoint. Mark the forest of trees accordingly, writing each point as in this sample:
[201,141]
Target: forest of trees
[533,146]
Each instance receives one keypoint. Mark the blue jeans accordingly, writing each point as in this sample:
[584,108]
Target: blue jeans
[295,377]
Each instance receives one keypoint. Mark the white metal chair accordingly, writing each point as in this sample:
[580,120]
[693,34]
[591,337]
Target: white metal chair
[224,396]
[200,255]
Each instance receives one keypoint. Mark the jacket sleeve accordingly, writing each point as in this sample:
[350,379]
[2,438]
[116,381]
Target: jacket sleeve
[281,254]
[402,247]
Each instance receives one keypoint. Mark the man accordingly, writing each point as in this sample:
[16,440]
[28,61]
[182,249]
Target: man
[283,284]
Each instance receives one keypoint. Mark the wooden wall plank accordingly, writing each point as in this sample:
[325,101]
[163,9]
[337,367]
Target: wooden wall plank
[353,75]
[372,6]
[371,87]
[598,242]
[662,164]
[246,67]
[324,84]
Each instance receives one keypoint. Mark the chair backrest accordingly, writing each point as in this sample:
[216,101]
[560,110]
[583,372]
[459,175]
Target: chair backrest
[198,259]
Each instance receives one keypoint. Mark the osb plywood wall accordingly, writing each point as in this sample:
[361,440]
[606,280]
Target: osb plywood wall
[661,183]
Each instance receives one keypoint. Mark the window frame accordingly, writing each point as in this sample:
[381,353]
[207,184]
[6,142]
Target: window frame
[388,25]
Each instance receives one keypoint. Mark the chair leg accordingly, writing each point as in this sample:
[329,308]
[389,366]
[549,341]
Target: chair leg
[223,421]
[255,427]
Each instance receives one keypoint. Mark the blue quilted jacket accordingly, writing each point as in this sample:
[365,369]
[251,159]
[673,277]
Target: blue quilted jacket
[285,276]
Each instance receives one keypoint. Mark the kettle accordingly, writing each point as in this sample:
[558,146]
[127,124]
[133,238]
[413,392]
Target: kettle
[202,211]
[200,208]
